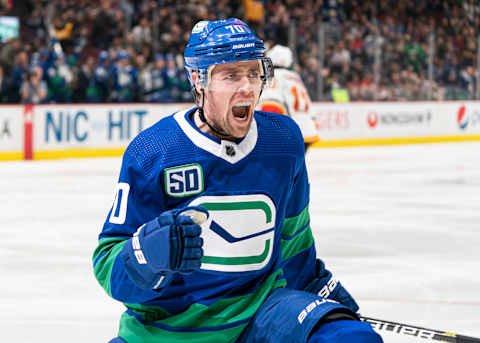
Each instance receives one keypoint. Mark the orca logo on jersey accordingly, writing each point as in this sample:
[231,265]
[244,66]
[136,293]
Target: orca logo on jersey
[239,233]
[183,181]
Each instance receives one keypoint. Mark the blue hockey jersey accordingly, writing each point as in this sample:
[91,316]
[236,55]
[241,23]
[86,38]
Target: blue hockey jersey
[257,237]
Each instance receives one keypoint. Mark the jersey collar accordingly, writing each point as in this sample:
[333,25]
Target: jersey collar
[229,151]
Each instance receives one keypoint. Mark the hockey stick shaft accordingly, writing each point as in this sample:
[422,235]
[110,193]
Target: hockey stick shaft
[417,331]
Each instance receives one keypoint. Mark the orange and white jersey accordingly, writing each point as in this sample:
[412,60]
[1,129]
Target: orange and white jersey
[288,96]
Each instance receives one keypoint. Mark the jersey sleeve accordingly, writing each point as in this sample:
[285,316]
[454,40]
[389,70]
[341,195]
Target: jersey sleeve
[298,248]
[300,265]
[134,205]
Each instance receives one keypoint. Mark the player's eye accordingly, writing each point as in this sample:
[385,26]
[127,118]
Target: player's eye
[253,74]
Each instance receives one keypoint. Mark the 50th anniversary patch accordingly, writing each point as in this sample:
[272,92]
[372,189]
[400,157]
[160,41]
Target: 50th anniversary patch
[185,180]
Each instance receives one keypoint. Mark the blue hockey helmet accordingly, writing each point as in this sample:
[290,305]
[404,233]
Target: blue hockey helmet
[223,41]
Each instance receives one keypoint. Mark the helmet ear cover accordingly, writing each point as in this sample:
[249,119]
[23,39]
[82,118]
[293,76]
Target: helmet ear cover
[269,71]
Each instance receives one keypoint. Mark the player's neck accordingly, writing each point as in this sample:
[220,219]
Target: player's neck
[204,127]
[200,124]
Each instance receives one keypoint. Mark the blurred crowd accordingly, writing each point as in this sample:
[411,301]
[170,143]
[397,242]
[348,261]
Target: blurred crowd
[131,50]
[410,66]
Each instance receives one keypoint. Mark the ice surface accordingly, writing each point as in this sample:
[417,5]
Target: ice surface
[399,225]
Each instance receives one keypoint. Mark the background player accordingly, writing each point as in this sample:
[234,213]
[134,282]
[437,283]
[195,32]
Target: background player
[288,95]
[249,273]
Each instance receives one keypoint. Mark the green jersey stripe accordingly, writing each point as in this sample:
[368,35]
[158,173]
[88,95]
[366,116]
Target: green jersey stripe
[234,308]
[239,260]
[220,322]
[132,331]
[104,257]
[296,245]
[294,224]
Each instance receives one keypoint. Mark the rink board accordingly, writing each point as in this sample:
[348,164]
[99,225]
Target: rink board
[95,130]
[396,123]
[11,132]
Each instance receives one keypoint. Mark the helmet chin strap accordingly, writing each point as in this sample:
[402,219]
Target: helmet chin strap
[222,134]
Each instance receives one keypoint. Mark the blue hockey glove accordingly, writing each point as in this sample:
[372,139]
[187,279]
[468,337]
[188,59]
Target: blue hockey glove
[327,286]
[168,244]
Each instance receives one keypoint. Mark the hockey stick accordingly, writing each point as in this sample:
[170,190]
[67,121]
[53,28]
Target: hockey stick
[417,331]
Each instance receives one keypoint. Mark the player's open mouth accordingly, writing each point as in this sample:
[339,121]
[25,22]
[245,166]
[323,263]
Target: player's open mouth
[241,110]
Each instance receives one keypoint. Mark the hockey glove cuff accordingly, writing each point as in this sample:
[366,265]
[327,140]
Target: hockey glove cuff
[328,287]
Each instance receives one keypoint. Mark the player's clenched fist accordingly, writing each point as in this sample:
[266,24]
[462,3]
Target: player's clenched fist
[150,262]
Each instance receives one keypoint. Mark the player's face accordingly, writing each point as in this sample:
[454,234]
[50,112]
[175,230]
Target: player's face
[231,96]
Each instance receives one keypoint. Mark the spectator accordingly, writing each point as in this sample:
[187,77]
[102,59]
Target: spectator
[63,29]
[309,77]
[415,54]
[102,35]
[99,86]
[367,87]
[35,23]
[468,80]
[353,85]
[19,74]
[59,79]
[4,87]
[172,82]
[357,33]
[340,59]
[124,75]
[427,89]
[142,33]
[34,89]
[155,89]
[9,52]
[383,93]
[143,71]
[81,81]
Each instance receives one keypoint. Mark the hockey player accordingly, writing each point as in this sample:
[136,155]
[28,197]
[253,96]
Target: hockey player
[288,94]
[249,272]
